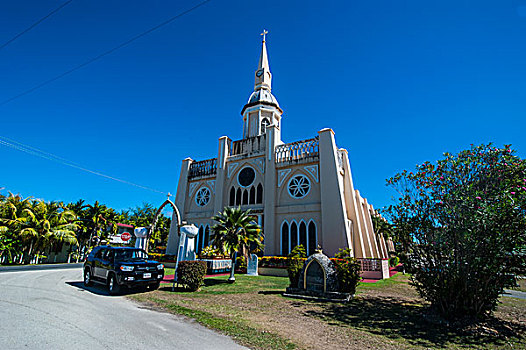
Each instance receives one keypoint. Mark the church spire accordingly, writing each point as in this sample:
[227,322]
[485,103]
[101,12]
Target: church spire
[263,75]
[262,108]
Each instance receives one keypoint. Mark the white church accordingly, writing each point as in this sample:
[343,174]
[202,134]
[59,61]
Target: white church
[300,192]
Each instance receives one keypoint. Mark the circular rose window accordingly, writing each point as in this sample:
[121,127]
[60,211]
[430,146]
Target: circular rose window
[246,176]
[299,186]
[202,196]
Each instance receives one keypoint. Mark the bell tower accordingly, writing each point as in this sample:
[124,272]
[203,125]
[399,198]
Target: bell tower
[262,108]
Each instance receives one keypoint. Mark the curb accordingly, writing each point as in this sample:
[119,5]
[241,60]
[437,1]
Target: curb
[39,267]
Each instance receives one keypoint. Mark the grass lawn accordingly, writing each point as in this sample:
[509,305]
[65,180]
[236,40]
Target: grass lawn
[388,315]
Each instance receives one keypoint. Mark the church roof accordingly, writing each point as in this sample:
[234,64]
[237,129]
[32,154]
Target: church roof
[262,95]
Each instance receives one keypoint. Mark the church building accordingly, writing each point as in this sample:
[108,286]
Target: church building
[300,192]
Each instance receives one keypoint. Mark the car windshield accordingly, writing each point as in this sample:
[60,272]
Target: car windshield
[128,254]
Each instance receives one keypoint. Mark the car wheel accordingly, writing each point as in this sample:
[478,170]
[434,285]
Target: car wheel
[113,286]
[87,277]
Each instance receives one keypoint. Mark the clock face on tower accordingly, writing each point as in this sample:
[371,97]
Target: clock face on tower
[259,73]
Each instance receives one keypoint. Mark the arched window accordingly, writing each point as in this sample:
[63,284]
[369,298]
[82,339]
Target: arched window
[245,197]
[303,234]
[207,236]
[259,197]
[293,235]
[313,239]
[200,241]
[232,196]
[264,123]
[284,238]
[238,197]
[252,199]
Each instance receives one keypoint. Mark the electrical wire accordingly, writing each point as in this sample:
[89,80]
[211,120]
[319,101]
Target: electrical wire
[50,156]
[35,24]
[96,58]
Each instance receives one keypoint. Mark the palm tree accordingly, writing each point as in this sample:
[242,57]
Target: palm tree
[235,230]
[51,225]
[381,226]
[97,218]
[15,211]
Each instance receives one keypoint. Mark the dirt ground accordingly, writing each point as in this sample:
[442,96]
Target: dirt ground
[389,315]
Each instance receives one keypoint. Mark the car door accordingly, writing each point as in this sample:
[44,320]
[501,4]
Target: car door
[107,262]
[98,270]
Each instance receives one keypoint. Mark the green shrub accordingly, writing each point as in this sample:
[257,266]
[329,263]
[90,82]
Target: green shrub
[191,273]
[394,261]
[348,270]
[295,262]
[241,262]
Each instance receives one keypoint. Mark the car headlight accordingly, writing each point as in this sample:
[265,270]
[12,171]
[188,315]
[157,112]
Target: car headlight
[126,268]
[160,267]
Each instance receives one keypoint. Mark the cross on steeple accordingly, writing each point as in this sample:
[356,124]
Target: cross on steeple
[264,34]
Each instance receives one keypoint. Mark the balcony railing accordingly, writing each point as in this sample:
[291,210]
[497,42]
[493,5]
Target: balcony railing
[371,264]
[248,145]
[298,150]
[203,168]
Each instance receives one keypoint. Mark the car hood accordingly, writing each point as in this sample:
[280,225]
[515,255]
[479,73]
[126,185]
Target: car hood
[137,262]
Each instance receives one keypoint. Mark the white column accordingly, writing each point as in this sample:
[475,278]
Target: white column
[180,199]
[269,193]
[334,230]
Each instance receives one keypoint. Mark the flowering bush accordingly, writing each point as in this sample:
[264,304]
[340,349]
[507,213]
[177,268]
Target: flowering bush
[462,223]
[161,257]
[273,261]
[348,270]
[211,252]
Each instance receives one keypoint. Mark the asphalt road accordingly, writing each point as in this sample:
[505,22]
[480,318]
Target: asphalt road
[514,294]
[51,309]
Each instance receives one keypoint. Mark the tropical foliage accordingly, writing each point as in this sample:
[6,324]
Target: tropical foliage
[348,270]
[30,228]
[235,231]
[143,216]
[462,221]
[295,261]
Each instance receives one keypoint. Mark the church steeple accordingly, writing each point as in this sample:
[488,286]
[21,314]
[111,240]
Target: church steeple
[263,75]
[262,108]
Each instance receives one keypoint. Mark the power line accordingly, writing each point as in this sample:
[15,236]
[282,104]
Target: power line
[50,156]
[34,24]
[96,58]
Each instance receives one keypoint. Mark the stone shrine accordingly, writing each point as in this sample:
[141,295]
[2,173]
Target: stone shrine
[318,279]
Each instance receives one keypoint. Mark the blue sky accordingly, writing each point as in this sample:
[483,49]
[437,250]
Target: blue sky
[400,82]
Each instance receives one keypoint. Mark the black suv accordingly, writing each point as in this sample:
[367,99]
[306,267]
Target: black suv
[122,266]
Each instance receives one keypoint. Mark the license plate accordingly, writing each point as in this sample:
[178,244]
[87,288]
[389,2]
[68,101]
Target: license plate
[147,275]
